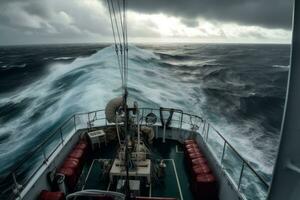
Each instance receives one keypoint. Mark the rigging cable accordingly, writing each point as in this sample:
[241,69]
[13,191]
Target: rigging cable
[119,23]
[110,7]
[119,26]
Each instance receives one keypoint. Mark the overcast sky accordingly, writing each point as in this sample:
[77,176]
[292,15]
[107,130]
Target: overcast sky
[81,21]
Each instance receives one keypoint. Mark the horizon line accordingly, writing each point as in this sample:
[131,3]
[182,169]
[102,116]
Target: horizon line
[143,43]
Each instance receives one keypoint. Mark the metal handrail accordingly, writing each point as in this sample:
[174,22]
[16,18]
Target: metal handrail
[240,157]
[226,143]
[206,127]
[38,147]
[244,162]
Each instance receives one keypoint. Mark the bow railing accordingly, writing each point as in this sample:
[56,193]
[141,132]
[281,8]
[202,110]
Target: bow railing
[246,180]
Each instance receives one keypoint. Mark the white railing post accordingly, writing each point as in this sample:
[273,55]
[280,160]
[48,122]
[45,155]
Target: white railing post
[223,153]
[75,123]
[18,187]
[61,136]
[241,175]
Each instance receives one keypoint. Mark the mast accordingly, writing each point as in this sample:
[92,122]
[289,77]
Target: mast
[286,177]
[117,11]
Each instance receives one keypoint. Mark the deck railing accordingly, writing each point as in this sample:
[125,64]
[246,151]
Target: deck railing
[246,180]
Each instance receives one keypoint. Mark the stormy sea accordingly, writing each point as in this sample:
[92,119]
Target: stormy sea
[239,88]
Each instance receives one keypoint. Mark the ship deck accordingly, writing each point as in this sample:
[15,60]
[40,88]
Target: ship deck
[175,182]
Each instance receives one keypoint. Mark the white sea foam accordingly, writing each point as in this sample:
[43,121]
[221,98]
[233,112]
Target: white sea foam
[63,58]
[13,66]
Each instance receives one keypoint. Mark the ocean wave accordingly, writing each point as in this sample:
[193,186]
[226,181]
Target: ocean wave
[211,86]
[173,57]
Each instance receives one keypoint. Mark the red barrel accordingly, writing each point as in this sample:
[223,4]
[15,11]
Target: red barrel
[189,142]
[188,146]
[46,195]
[73,164]
[78,154]
[195,155]
[193,150]
[205,187]
[200,169]
[82,145]
[192,156]
[198,161]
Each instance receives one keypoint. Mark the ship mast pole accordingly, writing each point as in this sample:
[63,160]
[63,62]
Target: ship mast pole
[286,177]
[117,13]
[126,111]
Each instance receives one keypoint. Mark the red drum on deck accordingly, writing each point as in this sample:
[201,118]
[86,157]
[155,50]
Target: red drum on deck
[188,146]
[82,145]
[72,159]
[73,164]
[200,169]
[195,155]
[189,142]
[46,195]
[198,161]
[193,150]
[78,154]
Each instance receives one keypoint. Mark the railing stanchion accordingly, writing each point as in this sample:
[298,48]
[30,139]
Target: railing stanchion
[89,122]
[181,120]
[75,123]
[223,153]
[203,130]
[207,131]
[45,157]
[18,188]
[241,175]
[61,135]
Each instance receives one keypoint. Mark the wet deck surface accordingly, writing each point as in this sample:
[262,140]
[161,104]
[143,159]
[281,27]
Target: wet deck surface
[175,182]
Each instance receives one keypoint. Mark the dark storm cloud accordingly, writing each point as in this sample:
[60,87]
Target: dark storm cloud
[35,21]
[38,8]
[43,21]
[265,13]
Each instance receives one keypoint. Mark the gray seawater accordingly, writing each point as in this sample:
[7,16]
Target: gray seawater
[239,88]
